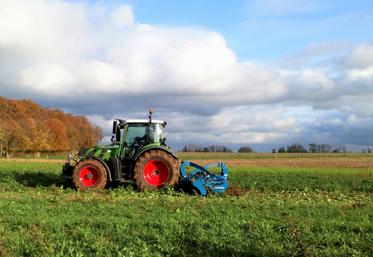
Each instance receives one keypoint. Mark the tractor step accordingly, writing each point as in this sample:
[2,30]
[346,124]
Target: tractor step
[202,179]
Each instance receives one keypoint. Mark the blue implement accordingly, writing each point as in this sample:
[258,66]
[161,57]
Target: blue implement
[203,180]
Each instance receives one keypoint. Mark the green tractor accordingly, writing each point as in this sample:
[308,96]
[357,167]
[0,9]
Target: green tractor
[138,153]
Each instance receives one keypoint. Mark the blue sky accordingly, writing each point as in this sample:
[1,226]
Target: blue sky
[264,73]
[263,30]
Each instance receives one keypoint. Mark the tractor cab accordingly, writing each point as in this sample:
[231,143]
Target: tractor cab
[136,133]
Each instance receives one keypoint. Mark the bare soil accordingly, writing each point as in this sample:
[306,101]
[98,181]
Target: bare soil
[316,162]
[330,162]
[33,160]
[235,190]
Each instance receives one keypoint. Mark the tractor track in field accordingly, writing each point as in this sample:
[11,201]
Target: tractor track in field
[329,162]
[42,160]
[318,162]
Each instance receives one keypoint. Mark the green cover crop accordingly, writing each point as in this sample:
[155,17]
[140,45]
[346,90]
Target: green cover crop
[271,211]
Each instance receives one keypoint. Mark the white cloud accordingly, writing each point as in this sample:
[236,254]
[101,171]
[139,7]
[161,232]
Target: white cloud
[77,53]
[100,76]
[44,29]
[357,74]
[360,57]
[105,124]
[41,76]
[122,16]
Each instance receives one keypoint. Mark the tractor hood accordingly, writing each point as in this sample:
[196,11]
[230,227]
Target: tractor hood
[103,152]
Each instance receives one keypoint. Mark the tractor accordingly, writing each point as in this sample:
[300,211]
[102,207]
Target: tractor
[138,153]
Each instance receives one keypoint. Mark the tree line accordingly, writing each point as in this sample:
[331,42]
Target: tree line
[294,148]
[367,150]
[312,148]
[215,149]
[29,128]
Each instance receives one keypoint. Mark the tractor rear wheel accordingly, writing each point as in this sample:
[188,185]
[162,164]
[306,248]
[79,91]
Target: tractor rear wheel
[90,175]
[155,169]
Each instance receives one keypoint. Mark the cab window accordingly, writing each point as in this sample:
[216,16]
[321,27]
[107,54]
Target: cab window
[140,134]
[136,133]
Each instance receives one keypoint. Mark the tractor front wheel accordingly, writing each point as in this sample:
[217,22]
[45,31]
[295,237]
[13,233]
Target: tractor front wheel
[155,169]
[90,175]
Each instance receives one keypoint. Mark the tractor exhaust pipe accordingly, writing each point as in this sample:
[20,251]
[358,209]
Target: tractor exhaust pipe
[150,115]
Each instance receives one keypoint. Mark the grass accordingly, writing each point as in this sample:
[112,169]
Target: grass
[281,212]
[344,180]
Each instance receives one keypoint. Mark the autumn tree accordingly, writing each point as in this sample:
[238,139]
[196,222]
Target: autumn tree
[57,137]
[2,141]
[27,127]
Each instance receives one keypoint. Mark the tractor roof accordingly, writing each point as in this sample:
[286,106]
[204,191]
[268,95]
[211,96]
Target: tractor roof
[143,121]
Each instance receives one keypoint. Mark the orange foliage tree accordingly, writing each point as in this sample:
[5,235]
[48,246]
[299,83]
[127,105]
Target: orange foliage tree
[27,127]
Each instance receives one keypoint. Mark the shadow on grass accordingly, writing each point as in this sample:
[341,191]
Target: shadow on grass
[45,179]
[198,247]
[42,179]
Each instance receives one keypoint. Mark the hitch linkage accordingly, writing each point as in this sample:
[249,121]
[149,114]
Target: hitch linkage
[202,180]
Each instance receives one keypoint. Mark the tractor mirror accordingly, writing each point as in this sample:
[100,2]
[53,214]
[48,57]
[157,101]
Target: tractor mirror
[115,126]
[117,136]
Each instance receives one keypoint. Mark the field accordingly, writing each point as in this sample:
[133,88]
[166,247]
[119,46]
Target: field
[289,205]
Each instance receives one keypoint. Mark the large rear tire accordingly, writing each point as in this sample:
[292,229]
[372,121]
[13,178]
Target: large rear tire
[156,169]
[90,175]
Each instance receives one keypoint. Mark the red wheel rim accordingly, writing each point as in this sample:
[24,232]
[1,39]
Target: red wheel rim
[156,172]
[88,176]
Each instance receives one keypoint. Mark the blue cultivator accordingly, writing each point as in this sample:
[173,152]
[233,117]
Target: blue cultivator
[202,180]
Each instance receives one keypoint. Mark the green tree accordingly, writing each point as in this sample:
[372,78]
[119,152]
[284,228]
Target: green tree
[296,148]
[245,149]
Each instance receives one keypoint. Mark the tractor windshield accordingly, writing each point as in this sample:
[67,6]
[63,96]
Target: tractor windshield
[140,133]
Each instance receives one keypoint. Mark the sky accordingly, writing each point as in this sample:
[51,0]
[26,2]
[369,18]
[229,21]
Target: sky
[264,73]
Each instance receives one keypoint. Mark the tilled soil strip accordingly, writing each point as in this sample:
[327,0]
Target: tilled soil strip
[332,162]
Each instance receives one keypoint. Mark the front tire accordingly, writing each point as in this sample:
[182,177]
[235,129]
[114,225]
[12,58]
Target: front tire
[90,175]
[156,169]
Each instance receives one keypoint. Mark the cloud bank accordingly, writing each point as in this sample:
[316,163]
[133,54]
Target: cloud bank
[102,62]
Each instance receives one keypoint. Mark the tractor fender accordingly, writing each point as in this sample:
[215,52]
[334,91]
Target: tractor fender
[145,149]
[103,163]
